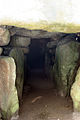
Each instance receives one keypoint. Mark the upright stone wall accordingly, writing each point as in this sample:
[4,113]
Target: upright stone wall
[9,103]
[67,57]
[18,56]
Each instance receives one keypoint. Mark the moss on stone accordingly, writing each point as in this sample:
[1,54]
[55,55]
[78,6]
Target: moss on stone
[9,103]
[67,55]
[13,106]
[18,56]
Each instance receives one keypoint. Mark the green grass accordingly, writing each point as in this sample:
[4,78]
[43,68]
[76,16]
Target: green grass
[51,27]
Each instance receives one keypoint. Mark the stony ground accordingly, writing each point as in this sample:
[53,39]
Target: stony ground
[45,104]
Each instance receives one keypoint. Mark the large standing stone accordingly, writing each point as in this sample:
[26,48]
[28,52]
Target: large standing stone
[67,55]
[19,41]
[8,94]
[18,56]
[4,37]
[75,92]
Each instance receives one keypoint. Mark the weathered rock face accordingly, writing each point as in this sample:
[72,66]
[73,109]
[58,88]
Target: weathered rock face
[8,94]
[19,41]
[75,92]
[67,55]
[30,33]
[4,37]
[18,56]
[1,50]
[35,33]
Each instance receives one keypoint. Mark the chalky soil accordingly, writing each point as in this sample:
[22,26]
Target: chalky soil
[45,104]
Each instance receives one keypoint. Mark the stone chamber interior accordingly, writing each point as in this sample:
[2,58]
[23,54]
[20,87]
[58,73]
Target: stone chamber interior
[37,73]
[47,74]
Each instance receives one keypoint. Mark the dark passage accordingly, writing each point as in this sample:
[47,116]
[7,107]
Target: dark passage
[36,55]
[41,98]
[36,65]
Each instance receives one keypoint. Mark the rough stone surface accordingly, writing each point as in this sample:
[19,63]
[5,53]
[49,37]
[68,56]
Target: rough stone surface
[67,55]
[20,31]
[1,50]
[19,41]
[18,56]
[36,33]
[4,36]
[8,93]
[30,33]
[40,34]
[75,92]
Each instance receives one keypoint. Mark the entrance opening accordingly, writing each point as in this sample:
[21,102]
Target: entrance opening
[37,76]
[36,54]
[40,98]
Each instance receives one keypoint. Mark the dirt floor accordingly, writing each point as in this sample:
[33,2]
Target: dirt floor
[45,105]
[42,102]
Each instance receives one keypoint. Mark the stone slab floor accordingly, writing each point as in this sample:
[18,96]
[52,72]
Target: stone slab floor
[45,104]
